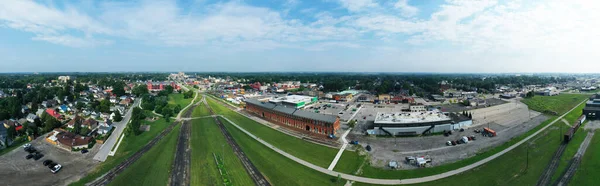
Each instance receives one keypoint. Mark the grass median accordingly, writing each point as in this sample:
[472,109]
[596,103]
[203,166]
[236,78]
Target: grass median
[130,145]
[587,173]
[153,168]
[279,170]
[206,140]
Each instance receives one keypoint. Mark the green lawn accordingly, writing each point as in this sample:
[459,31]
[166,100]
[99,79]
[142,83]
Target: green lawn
[590,165]
[128,147]
[278,169]
[316,154]
[559,104]
[349,162]
[177,99]
[154,166]
[206,140]
[200,111]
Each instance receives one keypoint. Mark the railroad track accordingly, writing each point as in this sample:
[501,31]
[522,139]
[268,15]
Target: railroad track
[565,178]
[181,164]
[546,177]
[110,175]
[254,173]
[106,178]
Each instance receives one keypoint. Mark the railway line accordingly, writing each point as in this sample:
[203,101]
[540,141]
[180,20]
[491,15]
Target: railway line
[568,174]
[180,172]
[254,173]
[551,168]
[110,175]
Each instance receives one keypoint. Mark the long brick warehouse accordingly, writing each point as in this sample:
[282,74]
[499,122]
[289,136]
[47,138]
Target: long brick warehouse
[294,118]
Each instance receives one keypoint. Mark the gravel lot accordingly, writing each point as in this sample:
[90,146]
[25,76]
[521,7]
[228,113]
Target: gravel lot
[16,170]
[508,120]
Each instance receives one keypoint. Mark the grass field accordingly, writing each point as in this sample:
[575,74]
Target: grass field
[154,166]
[316,154]
[559,104]
[200,111]
[128,147]
[278,169]
[590,164]
[349,162]
[206,140]
[177,99]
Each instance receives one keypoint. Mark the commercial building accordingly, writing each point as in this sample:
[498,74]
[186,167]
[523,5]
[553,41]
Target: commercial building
[159,86]
[294,101]
[416,123]
[294,118]
[592,108]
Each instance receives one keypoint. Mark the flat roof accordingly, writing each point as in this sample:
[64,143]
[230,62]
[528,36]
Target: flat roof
[291,99]
[410,117]
[293,111]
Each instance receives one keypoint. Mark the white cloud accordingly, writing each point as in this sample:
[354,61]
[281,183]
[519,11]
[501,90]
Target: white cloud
[72,41]
[358,5]
[405,9]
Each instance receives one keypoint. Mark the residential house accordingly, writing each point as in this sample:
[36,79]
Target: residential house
[69,141]
[104,115]
[11,123]
[78,120]
[90,124]
[104,129]
[125,102]
[113,99]
[3,136]
[83,123]
[2,94]
[24,109]
[31,117]
[54,114]
[64,108]
[49,103]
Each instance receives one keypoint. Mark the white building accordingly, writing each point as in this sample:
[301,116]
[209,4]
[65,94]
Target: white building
[415,123]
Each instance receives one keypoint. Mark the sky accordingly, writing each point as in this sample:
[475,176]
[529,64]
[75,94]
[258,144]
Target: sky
[447,36]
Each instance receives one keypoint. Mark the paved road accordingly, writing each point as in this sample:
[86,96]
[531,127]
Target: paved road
[112,139]
[399,181]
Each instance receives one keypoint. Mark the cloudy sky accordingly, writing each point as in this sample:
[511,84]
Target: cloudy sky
[298,35]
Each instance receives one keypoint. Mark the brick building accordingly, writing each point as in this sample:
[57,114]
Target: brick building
[159,86]
[294,118]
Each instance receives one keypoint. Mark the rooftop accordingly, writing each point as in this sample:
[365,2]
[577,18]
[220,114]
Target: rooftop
[411,117]
[291,99]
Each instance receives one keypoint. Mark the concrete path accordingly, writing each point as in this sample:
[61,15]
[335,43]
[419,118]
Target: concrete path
[566,122]
[398,181]
[112,139]
[339,154]
[186,107]
[354,115]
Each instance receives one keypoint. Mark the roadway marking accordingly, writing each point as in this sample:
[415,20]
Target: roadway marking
[339,154]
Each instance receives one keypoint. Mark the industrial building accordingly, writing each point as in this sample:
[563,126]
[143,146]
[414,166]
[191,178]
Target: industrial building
[294,101]
[416,123]
[592,107]
[294,118]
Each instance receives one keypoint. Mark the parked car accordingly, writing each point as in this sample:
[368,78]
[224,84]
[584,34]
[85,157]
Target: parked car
[462,130]
[30,149]
[84,151]
[354,142]
[54,169]
[37,156]
[29,156]
[449,143]
[47,162]
[26,146]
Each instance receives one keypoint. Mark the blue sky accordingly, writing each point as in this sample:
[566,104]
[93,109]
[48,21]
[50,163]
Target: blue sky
[295,35]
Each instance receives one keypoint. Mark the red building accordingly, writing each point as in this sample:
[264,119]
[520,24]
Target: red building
[54,114]
[159,86]
[294,118]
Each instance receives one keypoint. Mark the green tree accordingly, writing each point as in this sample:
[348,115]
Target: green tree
[352,123]
[77,128]
[167,113]
[169,89]
[118,116]
[11,132]
[104,106]
[79,105]
[84,131]
[119,89]
[140,90]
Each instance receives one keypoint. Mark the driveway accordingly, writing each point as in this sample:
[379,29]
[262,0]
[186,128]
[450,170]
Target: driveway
[112,139]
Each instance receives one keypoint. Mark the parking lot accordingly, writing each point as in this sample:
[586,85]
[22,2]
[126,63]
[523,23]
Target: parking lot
[508,120]
[16,170]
